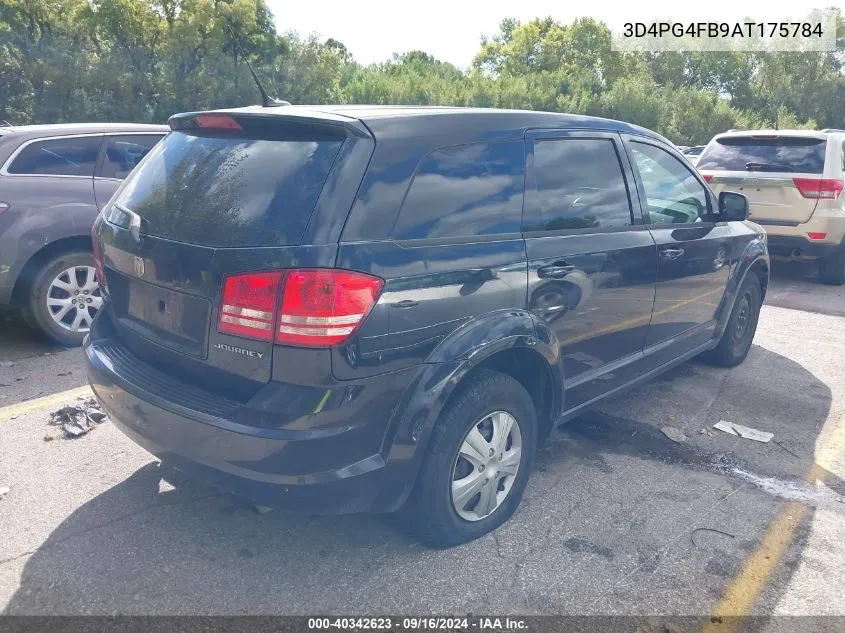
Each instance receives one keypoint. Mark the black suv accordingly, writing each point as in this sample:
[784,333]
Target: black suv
[344,309]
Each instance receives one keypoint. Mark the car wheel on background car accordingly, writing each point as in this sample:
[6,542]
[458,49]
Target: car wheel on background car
[742,324]
[477,464]
[64,297]
[832,269]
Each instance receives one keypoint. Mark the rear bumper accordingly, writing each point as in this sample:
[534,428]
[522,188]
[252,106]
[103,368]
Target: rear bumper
[800,247]
[262,464]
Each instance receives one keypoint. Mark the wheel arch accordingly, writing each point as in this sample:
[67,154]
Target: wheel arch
[57,247]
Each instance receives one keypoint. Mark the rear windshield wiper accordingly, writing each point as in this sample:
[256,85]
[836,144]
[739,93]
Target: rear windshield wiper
[766,167]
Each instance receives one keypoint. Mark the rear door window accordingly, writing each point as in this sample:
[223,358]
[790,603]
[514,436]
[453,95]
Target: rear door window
[580,185]
[58,157]
[122,153]
[795,154]
[229,191]
[465,191]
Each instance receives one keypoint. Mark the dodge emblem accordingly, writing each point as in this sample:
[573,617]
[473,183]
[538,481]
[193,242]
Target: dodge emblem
[139,266]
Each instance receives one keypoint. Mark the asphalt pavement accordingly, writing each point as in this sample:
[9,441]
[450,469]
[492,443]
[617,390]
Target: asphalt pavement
[617,519]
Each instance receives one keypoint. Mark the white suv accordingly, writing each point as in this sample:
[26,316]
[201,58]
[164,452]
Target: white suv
[793,180]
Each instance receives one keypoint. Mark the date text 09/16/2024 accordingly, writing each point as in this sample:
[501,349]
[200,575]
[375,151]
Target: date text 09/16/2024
[419,624]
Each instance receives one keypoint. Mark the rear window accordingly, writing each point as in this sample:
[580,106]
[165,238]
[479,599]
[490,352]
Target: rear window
[229,191]
[785,153]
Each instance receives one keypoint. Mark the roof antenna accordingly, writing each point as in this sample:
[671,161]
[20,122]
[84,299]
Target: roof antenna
[266,100]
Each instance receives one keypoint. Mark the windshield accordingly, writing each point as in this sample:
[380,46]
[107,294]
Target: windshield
[747,153]
[228,191]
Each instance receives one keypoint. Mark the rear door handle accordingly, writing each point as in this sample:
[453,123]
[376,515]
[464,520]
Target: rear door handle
[671,253]
[558,270]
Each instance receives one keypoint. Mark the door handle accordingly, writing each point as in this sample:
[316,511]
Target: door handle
[407,303]
[671,253]
[558,270]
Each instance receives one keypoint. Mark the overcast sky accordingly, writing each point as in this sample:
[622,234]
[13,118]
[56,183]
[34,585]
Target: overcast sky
[451,29]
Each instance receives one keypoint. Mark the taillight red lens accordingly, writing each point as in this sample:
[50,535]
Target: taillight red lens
[707,177]
[817,236]
[318,307]
[821,188]
[322,308]
[249,305]
[97,247]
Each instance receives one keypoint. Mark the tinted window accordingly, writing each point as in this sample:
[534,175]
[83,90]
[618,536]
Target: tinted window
[787,153]
[124,152]
[674,195]
[229,191]
[58,157]
[463,191]
[579,185]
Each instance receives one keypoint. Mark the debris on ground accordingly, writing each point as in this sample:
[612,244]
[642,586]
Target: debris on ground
[48,438]
[745,432]
[4,490]
[707,432]
[7,363]
[77,420]
[64,373]
[673,434]
[670,418]
[787,450]
[705,529]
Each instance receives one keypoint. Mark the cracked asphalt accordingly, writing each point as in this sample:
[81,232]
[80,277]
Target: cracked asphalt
[617,519]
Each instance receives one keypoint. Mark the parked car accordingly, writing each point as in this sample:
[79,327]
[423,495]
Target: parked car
[345,309]
[793,180]
[693,153]
[54,179]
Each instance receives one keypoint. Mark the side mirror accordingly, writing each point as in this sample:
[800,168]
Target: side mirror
[733,207]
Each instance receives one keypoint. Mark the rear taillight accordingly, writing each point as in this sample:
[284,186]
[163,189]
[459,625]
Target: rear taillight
[817,236]
[707,177]
[249,305]
[322,308]
[97,247]
[819,188]
[4,206]
[305,308]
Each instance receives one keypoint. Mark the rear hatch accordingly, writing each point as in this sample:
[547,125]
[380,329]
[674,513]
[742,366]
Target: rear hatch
[196,241]
[781,175]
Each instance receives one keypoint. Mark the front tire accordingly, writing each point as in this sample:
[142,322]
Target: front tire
[832,269]
[478,462]
[739,332]
[64,297]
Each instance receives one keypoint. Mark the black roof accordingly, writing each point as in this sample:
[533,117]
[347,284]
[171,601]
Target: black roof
[460,124]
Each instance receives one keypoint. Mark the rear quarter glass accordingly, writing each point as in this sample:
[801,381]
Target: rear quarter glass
[791,154]
[222,190]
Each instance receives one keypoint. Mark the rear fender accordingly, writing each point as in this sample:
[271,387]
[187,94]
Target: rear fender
[436,381]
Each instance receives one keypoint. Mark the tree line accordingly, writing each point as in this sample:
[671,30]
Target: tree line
[143,60]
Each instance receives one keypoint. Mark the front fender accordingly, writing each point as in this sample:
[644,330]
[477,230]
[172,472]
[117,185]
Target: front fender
[755,254]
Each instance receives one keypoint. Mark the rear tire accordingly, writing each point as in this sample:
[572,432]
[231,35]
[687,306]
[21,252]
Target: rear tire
[832,269]
[739,332]
[491,407]
[64,281]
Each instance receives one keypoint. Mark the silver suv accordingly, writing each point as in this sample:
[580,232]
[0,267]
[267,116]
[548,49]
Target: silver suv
[793,180]
[54,179]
